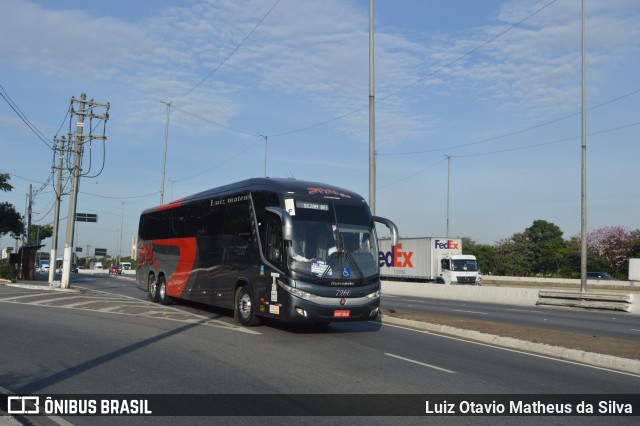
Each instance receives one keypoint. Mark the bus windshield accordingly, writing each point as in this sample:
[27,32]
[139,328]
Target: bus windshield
[332,242]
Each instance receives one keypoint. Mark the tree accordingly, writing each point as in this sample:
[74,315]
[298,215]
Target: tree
[635,251]
[547,242]
[484,253]
[614,245]
[569,258]
[36,237]
[514,256]
[4,182]
[10,220]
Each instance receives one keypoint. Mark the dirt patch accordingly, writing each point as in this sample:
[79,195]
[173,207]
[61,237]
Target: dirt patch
[585,342]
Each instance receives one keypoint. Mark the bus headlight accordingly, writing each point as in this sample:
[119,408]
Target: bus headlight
[296,292]
[373,295]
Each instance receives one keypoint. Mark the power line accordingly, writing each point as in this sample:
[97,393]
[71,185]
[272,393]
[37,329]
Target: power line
[515,132]
[230,54]
[24,118]
[549,143]
[214,122]
[120,198]
[513,149]
[223,162]
[442,68]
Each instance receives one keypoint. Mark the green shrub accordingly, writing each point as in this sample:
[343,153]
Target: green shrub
[8,271]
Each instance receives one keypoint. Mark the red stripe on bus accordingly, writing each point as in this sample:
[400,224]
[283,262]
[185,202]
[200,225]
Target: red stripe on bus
[186,260]
[171,205]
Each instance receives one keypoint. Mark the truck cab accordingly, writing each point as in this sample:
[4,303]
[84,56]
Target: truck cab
[458,269]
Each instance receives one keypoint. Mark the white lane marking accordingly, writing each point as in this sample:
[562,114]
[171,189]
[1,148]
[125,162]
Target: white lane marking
[634,329]
[411,300]
[523,310]
[9,299]
[502,348]
[469,312]
[420,363]
[129,302]
[55,299]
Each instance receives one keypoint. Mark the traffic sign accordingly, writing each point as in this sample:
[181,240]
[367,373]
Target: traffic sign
[86,217]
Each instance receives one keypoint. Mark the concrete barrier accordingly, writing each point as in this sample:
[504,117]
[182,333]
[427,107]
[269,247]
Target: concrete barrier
[576,299]
[504,295]
[493,279]
[510,295]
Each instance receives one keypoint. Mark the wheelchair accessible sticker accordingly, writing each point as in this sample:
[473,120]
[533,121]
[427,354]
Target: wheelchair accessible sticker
[346,272]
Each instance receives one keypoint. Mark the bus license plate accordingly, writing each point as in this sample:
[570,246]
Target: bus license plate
[341,313]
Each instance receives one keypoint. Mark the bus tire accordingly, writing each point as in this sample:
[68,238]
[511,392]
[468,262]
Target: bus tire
[152,287]
[163,297]
[244,308]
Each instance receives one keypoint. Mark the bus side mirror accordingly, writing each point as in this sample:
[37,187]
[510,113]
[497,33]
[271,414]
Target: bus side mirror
[393,229]
[287,223]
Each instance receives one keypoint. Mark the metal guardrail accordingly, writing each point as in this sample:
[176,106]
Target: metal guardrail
[609,301]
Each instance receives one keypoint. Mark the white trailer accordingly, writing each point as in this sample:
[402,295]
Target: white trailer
[427,259]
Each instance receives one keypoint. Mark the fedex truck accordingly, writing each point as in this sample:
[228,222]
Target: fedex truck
[427,259]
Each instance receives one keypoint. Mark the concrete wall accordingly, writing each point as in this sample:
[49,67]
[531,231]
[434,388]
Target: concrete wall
[557,281]
[469,293]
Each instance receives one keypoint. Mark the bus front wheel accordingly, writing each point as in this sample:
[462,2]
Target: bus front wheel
[244,309]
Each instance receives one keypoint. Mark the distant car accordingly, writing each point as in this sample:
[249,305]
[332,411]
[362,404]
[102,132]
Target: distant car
[599,276]
[74,268]
[114,270]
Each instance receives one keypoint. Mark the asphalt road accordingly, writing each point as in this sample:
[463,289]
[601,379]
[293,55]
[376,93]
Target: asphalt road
[108,339]
[618,325]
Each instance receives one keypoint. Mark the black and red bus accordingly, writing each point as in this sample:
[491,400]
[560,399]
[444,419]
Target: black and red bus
[267,248]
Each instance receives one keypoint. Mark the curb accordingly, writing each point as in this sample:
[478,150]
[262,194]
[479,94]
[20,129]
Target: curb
[46,287]
[575,355]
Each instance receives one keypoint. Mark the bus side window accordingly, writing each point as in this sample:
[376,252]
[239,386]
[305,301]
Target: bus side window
[273,242]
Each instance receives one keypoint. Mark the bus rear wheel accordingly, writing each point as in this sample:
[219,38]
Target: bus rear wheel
[163,297]
[244,309]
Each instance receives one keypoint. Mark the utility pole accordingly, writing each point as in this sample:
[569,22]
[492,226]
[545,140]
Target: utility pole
[73,197]
[29,210]
[583,219]
[265,154]
[120,243]
[56,213]
[372,115]
[166,142]
[78,139]
[448,186]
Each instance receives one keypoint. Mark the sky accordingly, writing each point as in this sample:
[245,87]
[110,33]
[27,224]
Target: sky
[477,107]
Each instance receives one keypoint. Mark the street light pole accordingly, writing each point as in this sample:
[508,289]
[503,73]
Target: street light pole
[265,154]
[583,219]
[372,115]
[448,186]
[166,142]
[121,229]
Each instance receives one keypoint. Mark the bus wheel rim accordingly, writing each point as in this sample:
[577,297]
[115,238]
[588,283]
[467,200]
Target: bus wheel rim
[245,306]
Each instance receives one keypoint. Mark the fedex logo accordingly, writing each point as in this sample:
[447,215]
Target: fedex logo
[396,258]
[446,245]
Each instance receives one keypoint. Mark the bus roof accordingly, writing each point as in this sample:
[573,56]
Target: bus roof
[285,187]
